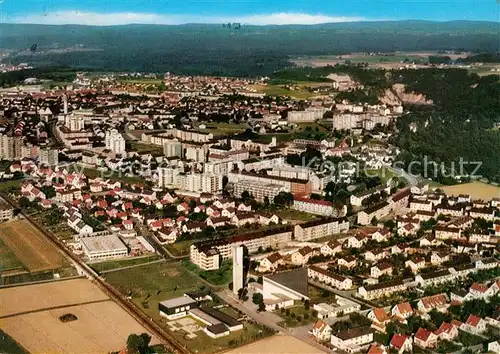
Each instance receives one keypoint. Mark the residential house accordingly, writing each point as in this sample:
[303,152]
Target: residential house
[438,302]
[402,310]
[301,256]
[321,331]
[447,331]
[352,340]
[401,343]
[383,268]
[425,338]
[379,318]
[331,248]
[335,280]
[474,324]
[271,262]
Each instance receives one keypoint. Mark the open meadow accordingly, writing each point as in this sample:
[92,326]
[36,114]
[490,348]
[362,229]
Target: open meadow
[150,284]
[30,246]
[477,190]
[31,316]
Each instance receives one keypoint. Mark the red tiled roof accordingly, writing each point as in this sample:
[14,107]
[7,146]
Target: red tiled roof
[473,320]
[398,340]
[423,334]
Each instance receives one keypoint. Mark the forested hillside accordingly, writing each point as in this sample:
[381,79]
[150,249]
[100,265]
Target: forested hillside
[248,51]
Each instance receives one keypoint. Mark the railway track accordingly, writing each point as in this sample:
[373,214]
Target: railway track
[170,343]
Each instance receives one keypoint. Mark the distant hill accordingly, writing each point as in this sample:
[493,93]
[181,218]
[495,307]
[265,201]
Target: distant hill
[248,51]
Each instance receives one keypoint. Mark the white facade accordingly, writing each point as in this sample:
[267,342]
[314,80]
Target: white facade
[103,247]
[238,276]
[115,142]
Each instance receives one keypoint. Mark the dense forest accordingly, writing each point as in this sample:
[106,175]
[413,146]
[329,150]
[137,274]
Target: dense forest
[460,124]
[248,51]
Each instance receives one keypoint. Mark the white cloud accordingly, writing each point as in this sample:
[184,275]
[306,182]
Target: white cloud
[122,18]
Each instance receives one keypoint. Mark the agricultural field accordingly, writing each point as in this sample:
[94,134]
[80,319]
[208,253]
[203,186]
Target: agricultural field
[279,90]
[152,283]
[477,190]
[31,316]
[30,246]
[218,129]
[8,259]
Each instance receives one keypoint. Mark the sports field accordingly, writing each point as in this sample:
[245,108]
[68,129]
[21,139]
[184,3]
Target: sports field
[150,284]
[30,315]
[30,246]
[477,190]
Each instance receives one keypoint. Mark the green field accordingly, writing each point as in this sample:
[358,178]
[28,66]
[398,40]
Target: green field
[10,185]
[110,265]
[9,345]
[294,215]
[146,148]
[8,259]
[383,173]
[295,313]
[153,283]
[278,90]
[218,129]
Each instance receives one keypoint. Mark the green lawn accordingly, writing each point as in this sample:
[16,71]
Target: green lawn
[224,128]
[8,259]
[9,185]
[221,276]
[384,174]
[294,313]
[290,214]
[9,345]
[279,90]
[146,148]
[180,248]
[153,283]
[121,263]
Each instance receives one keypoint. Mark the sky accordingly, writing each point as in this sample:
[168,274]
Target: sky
[255,12]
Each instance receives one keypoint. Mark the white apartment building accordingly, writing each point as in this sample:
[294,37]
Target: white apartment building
[203,182]
[172,148]
[74,123]
[318,207]
[49,157]
[6,212]
[308,115]
[274,238]
[115,142]
[352,340]
[315,229]
[168,176]
[258,190]
[324,276]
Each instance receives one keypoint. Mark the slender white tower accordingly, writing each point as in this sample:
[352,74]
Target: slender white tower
[238,276]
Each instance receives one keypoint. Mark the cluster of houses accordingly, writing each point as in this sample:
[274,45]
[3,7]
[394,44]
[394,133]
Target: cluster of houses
[359,339]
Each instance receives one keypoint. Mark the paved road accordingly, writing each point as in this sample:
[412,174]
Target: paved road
[269,319]
[412,180]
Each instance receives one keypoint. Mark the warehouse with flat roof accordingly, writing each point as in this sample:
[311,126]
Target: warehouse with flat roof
[103,247]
